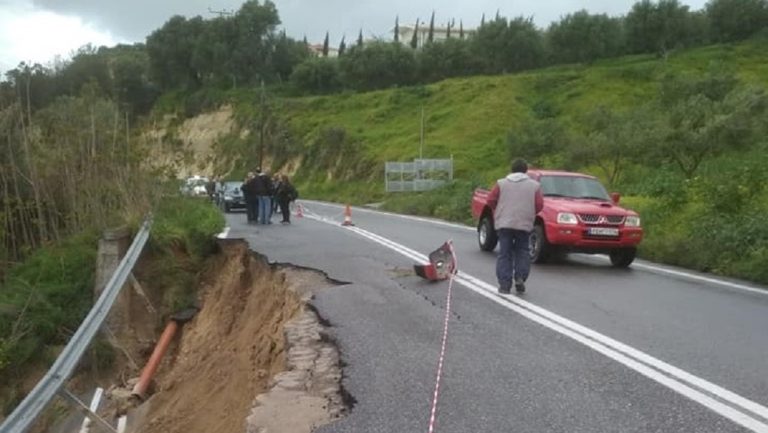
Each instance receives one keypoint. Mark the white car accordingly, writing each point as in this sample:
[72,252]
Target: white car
[195,186]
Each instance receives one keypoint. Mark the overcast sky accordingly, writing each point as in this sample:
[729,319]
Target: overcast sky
[39,30]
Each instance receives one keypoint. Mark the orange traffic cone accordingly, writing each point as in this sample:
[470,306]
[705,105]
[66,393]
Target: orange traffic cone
[348,217]
[299,211]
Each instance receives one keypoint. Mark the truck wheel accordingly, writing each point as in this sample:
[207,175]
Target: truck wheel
[540,248]
[486,234]
[622,258]
[227,208]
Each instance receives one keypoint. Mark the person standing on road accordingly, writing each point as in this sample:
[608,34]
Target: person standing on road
[516,199]
[264,192]
[285,194]
[275,186]
[251,199]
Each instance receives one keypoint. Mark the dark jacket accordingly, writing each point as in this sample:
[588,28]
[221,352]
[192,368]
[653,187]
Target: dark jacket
[285,192]
[262,185]
[249,189]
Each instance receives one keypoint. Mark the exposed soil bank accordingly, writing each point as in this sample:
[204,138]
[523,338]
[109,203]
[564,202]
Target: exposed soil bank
[254,359]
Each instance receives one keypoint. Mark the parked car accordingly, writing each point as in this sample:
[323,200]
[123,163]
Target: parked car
[231,197]
[578,216]
[195,186]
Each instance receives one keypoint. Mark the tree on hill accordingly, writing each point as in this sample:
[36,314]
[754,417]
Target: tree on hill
[705,117]
[415,37]
[733,20]
[613,140]
[584,38]
[431,34]
[342,46]
[317,76]
[509,46]
[658,27]
[450,58]
[379,65]
[325,45]
[288,53]
[397,29]
[538,141]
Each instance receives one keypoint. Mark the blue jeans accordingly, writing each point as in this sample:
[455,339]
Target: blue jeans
[265,209]
[514,260]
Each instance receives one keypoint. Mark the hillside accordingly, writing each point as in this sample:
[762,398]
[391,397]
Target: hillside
[470,118]
[335,146]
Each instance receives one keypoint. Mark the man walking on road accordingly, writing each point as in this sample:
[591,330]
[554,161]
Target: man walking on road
[516,200]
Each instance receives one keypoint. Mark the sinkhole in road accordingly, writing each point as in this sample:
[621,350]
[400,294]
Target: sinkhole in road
[256,358]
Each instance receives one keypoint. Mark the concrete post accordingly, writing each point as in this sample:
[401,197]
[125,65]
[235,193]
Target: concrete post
[113,245]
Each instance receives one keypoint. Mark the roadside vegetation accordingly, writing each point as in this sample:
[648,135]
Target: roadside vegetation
[44,299]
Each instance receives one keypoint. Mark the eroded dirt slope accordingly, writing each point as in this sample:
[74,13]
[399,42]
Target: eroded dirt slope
[232,351]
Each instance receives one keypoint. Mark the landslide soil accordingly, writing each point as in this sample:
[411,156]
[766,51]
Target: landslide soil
[227,355]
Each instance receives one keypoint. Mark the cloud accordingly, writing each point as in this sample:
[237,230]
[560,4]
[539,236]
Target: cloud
[33,35]
[135,20]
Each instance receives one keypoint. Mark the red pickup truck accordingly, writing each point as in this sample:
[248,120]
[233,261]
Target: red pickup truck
[578,216]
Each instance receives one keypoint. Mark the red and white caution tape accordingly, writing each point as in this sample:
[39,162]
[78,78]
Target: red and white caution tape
[441,360]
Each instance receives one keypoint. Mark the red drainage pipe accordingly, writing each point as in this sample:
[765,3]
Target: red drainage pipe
[140,390]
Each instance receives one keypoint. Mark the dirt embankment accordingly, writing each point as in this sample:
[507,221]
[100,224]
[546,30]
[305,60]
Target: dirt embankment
[189,148]
[254,359]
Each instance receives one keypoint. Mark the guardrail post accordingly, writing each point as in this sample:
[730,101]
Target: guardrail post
[54,381]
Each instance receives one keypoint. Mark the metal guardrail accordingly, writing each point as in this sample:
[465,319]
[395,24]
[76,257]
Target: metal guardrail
[53,382]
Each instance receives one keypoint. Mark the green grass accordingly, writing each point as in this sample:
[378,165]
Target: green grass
[469,118]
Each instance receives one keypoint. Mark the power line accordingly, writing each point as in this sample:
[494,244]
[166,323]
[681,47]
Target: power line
[221,12]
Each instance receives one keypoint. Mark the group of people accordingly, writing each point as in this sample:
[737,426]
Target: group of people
[264,194]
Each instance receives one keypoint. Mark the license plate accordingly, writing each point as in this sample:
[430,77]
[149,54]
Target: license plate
[603,231]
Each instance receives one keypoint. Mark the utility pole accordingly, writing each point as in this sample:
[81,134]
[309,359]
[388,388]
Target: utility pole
[421,140]
[262,126]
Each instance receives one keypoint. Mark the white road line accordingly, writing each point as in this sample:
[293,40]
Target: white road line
[407,217]
[86,425]
[224,233]
[122,424]
[690,276]
[632,358]
[636,265]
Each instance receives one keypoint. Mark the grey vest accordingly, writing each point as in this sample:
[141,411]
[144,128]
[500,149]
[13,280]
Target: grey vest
[516,208]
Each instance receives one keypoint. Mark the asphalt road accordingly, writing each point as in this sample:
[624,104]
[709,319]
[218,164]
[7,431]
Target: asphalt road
[588,349]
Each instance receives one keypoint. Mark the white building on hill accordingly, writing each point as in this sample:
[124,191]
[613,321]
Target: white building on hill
[317,50]
[440,33]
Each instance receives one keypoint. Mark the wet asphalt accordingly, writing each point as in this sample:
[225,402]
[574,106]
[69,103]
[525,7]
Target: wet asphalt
[504,372]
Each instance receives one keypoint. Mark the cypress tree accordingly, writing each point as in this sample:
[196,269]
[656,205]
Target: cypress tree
[342,46]
[397,29]
[431,35]
[415,38]
[325,45]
